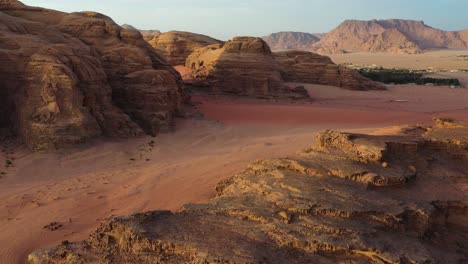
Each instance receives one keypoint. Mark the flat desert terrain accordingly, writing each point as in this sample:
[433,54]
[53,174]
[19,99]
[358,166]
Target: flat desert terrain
[79,188]
[438,60]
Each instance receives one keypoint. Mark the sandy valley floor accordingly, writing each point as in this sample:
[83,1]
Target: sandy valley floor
[79,188]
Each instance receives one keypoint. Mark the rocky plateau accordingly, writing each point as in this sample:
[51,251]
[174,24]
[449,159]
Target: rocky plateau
[350,198]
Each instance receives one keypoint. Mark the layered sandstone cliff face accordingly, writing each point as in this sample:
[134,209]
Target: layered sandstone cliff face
[66,78]
[393,35]
[351,198]
[242,66]
[307,67]
[176,46]
[246,66]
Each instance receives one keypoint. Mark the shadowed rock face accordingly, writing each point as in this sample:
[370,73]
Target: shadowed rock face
[176,46]
[308,67]
[351,198]
[70,77]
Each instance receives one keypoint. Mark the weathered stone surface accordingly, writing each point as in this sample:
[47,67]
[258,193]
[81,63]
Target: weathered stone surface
[176,46]
[308,67]
[66,78]
[242,66]
[331,203]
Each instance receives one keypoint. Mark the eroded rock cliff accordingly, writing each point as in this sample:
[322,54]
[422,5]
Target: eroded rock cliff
[70,77]
[351,198]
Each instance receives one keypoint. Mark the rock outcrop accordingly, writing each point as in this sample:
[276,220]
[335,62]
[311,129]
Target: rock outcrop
[66,78]
[242,66]
[291,41]
[176,46]
[307,67]
[246,66]
[351,198]
[393,35]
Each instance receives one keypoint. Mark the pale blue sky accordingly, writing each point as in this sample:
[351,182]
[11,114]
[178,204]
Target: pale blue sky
[226,18]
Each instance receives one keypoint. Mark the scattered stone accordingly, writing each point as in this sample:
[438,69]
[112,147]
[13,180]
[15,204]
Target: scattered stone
[53,226]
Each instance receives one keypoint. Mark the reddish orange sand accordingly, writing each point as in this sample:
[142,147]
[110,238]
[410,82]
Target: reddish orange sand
[81,187]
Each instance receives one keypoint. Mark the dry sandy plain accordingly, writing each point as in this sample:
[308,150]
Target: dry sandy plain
[79,188]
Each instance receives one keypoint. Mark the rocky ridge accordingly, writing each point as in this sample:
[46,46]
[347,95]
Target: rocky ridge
[67,78]
[350,198]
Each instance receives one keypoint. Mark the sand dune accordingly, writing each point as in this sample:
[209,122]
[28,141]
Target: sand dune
[79,188]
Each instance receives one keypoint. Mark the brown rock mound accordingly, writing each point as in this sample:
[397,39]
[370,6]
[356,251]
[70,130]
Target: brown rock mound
[307,67]
[176,46]
[70,77]
[242,66]
[350,199]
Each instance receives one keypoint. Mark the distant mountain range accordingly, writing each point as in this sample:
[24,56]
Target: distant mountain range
[392,35]
[292,40]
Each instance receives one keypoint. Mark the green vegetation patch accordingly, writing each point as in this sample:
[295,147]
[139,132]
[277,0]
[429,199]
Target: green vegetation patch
[401,76]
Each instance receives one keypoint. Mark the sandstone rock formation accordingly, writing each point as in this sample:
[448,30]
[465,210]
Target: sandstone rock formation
[66,78]
[147,34]
[246,66]
[307,67]
[291,40]
[242,66]
[351,198]
[176,46]
[393,35]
